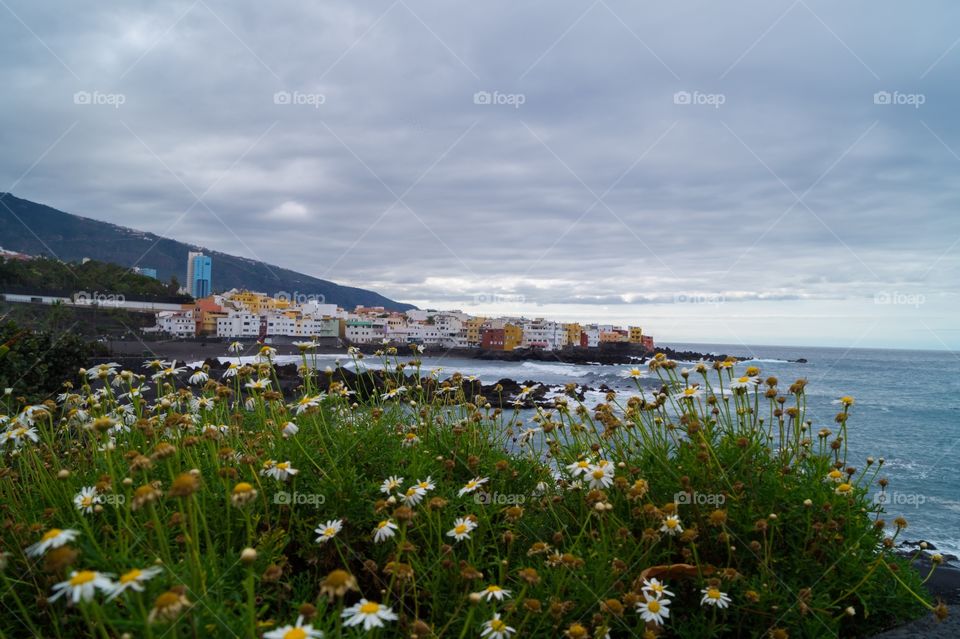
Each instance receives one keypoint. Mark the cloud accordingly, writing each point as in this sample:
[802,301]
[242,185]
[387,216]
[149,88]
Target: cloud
[346,140]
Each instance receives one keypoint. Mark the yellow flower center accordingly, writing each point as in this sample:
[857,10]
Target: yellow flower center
[370,608]
[689,391]
[130,576]
[295,633]
[653,606]
[844,488]
[242,487]
[497,626]
[283,465]
[383,524]
[86,502]
[50,534]
[713,593]
[494,588]
[671,523]
[460,529]
[167,600]
[743,380]
[330,532]
[83,577]
[598,474]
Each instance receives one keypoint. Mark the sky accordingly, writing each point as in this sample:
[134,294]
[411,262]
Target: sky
[759,172]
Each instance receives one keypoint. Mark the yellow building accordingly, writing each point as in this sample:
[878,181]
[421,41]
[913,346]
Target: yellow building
[258,303]
[474,327]
[512,336]
[636,335]
[574,331]
[613,336]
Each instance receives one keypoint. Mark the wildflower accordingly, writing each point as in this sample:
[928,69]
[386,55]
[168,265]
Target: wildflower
[231,371]
[390,484]
[337,583]
[834,476]
[654,609]
[426,485]
[496,628]
[19,435]
[306,346]
[844,489]
[410,439]
[280,471]
[145,494]
[713,597]
[462,527]
[168,606]
[235,347]
[133,580]
[413,496]
[200,376]
[394,392]
[86,499]
[472,485]
[307,402]
[581,467]
[744,382]
[82,585]
[296,631]
[248,555]
[690,392]
[267,353]
[634,373]
[243,493]
[258,384]
[655,588]
[290,429]
[671,525]
[601,475]
[493,591]
[846,400]
[369,613]
[328,530]
[53,538]
[384,531]
[184,485]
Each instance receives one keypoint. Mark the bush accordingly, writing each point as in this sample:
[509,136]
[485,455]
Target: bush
[708,507]
[34,364]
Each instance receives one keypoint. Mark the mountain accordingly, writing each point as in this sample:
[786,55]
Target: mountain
[37,229]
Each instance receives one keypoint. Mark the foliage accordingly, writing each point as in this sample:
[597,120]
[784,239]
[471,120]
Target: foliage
[254,512]
[36,363]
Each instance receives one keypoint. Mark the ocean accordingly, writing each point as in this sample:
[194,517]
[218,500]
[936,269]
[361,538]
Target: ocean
[907,411]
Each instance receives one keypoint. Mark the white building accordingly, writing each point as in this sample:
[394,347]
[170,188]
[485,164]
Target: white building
[238,324]
[176,323]
[364,331]
[540,333]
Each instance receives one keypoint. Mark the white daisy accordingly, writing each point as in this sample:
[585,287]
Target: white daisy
[690,392]
[390,484]
[744,382]
[426,485]
[82,585]
[655,588]
[671,525]
[654,609]
[494,591]
[413,495]
[580,467]
[278,470]
[296,631]
[235,347]
[133,580]
[199,377]
[713,597]
[462,527]
[53,538]
[87,499]
[384,531]
[328,530]
[496,628]
[472,485]
[290,429]
[369,613]
[600,475]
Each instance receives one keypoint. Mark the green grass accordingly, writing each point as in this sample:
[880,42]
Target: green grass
[744,474]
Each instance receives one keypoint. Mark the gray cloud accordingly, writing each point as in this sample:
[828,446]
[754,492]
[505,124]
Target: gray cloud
[599,189]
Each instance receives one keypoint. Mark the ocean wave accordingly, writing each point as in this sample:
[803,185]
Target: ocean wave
[767,360]
[563,370]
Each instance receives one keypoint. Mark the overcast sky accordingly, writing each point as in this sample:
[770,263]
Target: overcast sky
[766,171]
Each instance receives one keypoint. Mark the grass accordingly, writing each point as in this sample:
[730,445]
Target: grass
[706,507]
